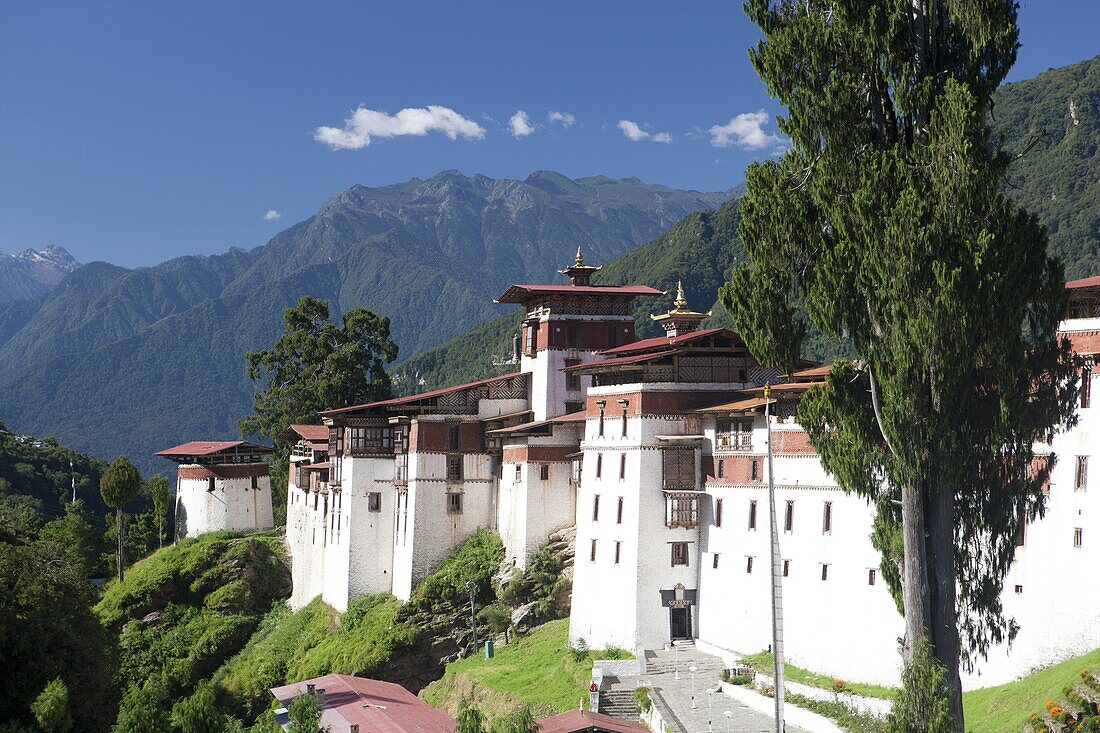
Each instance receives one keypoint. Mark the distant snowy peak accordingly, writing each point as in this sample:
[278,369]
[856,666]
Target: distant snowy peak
[31,273]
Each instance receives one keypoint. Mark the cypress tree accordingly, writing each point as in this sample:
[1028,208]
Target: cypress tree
[885,224]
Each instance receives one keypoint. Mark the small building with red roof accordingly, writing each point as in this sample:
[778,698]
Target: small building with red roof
[359,705]
[221,484]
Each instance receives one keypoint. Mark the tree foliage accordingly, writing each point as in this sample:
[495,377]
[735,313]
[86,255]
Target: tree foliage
[199,713]
[469,719]
[304,714]
[160,491]
[885,221]
[315,365]
[51,708]
[121,482]
[922,706]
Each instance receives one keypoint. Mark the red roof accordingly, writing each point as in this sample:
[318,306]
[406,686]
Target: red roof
[312,433]
[635,359]
[210,447]
[661,342]
[524,293]
[375,706]
[575,721]
[422,396]
[1087,282]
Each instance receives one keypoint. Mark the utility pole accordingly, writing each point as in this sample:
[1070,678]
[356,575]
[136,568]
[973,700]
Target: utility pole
[777,575]
[72,473]
[471,588]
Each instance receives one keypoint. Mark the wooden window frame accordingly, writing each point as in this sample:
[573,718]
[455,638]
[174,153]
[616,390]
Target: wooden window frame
[454,468]
[827,518]
[788,516]
[374,501]
[454,502]
[1081,474]
[717,512]
[752,514]
[544,472]
[619,512]
[679,554]
[595,507]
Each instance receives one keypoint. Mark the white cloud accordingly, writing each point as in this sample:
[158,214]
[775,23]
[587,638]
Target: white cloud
[365,124]
[272,214]
[746,130]
[520,125]
[565,119]
[634,132]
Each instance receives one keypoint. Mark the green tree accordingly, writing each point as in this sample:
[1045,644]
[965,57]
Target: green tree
[517,721]
[161,492]
[199,713]
[922,705]
[51,708]
[77,536]
[315,365]
[304,714]
[145,709]
[885,221]
[120,483]
[49,631]
[469,719]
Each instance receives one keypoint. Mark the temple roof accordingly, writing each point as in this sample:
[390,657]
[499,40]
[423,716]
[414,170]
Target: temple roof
[1086,282]
[308,433]
[211,447]
[523,293]
[408,399]
[660,343]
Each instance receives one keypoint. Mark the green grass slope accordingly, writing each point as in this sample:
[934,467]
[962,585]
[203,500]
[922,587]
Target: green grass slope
[1006,707]
[537,670]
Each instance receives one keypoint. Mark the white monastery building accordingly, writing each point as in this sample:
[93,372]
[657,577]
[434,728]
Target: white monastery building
[221,485]
[655,450]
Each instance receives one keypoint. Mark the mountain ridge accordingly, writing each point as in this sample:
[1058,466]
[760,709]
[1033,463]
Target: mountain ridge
[31,273]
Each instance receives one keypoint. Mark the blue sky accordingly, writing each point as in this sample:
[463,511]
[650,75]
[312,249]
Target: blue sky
[135,132]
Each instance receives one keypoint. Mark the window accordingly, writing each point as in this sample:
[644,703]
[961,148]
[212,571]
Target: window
[599,465]
[824,571]
[452,436]
[544,472]
[210,483]
[530,332]
[596,508]
[678,467]
[618,547]
[755,473]
[1080,479]
[786,568]
[601,404]
[788,518]
[454,468]
[871,576]
[1021,533]
[624,406]
[827,518]
[752,514]
[1019,589]
[572,379]
[748,565]
[622,466]
[1086,385]
[519,472]
[571,406]
[679,553]
[1078,536]
[255,483]
[619,513]
[721,472]
[592,552]
[454,503]
[571,337]
[718,513]
[374,501]
[612,336]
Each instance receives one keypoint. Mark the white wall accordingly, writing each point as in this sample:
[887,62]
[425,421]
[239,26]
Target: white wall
[233,504]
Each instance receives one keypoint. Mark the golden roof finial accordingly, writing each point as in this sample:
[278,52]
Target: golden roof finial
[680,302]
[580,258]
[767,390]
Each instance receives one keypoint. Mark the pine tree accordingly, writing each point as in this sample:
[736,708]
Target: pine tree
[469,719]
[885,224]
[51,708]
[161,493]
[120,483]
[199,713]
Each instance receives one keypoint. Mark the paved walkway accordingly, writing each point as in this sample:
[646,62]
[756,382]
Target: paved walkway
[673,697]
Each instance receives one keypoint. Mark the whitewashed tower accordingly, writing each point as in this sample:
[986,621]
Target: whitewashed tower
[221,485]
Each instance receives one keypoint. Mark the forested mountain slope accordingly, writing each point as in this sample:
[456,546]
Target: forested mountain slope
[116,360]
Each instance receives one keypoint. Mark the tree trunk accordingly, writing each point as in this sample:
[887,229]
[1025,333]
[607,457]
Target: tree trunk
[915,589]
[121,531]
[945,615]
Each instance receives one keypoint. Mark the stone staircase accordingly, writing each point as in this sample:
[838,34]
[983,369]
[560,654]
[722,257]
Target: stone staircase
[618,702]
[683,655]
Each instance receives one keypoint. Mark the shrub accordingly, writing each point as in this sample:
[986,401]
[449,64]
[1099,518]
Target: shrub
[744,680]
[922,703]
[724,675]
[614,652]
[642,700]
[580,651]
[840,686]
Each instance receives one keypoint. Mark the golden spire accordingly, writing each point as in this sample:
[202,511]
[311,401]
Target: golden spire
[579,261]
[680,302]
[767,390]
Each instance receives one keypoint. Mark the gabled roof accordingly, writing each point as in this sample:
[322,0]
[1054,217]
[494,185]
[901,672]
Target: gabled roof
[584,721]
[1087,282]
[308,433]
[375,706]
[211,447]
[753,397]
[658,343]
[571,417]
[812,374]
[523,293]
[421,396]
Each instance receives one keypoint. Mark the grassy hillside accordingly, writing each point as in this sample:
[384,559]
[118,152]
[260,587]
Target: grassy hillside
[1007,707]
[537,670]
